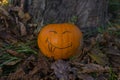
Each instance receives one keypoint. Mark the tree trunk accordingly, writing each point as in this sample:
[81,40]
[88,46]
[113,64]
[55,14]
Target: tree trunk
[86,14]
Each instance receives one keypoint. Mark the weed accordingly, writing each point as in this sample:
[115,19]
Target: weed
[112,75]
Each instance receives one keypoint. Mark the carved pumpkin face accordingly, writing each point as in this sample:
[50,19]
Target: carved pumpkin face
[59,41]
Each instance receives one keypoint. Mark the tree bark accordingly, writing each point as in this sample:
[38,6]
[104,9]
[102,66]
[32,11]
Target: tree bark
[86,14]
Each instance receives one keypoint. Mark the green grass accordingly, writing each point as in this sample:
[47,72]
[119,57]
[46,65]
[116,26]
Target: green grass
[9,62]
[112,75]
[24,49]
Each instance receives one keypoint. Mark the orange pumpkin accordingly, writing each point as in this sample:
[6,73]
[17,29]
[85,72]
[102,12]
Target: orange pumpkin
[59,41]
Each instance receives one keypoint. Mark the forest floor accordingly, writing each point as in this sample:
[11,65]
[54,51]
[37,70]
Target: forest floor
[21,59]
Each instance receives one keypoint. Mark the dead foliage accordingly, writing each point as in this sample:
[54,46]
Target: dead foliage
[20,58]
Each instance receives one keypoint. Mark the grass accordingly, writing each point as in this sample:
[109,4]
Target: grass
[9,62]
[112,75]
[20,49]
[5,58]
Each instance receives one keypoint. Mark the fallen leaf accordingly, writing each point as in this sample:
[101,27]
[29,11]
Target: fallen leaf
[98,57]
[117,26]
[62,70]
[117,42]
[7,37]
[101,77]
[26,17]
[14,53]
[85,77]
[21,14]
[22,29]
[99,38]
[114,56]
[103,39]
[107,36]
[17,75]
[91,67]
[5,13]
[41,67]
[13,62]
[31,69]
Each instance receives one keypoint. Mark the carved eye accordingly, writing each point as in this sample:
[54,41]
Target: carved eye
[53,32]
[66,32]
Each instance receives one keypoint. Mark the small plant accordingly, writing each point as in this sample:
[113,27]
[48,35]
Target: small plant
[6,58]
[112,76]
[73,19]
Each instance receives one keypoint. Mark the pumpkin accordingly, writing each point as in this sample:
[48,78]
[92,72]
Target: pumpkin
[59,41]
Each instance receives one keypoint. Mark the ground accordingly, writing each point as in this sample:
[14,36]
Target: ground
[21,59]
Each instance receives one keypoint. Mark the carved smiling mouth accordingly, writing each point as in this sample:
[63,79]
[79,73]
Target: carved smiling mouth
[52,47]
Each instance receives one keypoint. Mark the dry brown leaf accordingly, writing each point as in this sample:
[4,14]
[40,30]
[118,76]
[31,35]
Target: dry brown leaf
[114,56]
[89,68]
[98,57]
[7,37]
[14,53]
[85,77]
[26,17]
[107,36]
[102,77]
[4,12]
[114,28]
[117,42]
[13,62]
[22,4]
[31,69]
[15,8]
[117,26]
[104,39]
[93,68]
[40,67]
[62,70]
[21,14]
[22,29]
[17,75]
[99,38]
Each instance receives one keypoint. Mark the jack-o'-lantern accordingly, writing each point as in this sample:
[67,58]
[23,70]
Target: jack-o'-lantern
[59,41]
